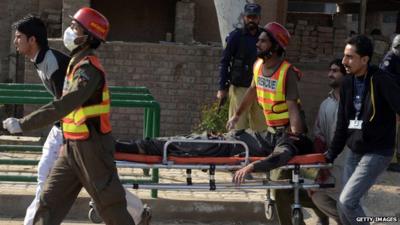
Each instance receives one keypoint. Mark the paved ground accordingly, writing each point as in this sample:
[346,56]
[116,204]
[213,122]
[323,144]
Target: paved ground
[189,206]
[169,222]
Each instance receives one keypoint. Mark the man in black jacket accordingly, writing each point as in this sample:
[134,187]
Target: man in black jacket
[366,123]
[51,66]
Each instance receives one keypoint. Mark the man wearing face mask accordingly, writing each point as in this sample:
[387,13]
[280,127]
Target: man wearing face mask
[87,157]
[51,65]
[236,68]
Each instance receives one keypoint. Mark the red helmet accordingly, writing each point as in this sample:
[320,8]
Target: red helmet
[93,21]
[279,33]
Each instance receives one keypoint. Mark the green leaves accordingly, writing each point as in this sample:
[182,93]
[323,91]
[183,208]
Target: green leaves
[213,121]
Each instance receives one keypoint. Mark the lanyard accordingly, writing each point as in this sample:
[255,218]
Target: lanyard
[359,94]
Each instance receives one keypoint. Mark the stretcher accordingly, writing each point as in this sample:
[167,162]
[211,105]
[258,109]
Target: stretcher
[212,164]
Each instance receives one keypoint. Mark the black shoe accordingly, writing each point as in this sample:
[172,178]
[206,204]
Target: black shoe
[394,167]
[146,215]
[323,221]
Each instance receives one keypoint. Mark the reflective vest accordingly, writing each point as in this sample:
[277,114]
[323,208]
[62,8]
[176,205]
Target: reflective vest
[271,93]
[74,126]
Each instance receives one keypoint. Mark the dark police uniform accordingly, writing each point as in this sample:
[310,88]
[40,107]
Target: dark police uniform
[236,74]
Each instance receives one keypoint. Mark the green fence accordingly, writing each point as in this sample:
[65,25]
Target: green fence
[130,97]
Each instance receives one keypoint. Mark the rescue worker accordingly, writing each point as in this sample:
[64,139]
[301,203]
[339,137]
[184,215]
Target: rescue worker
[236,68]
[87,157]
[274,86]
[391,64]
[51,65]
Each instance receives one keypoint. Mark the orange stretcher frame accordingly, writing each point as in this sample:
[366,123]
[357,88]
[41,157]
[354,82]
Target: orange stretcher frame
[232,160]
[295,183]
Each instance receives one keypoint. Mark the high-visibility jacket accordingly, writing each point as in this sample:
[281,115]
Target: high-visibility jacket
[74,126]
[271,93]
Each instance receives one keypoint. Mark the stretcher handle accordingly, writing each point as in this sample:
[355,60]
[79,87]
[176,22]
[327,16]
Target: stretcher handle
[165,154]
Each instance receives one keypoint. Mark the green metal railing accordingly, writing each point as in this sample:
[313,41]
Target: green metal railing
[131,97]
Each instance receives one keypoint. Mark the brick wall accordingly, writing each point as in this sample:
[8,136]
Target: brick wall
[182,78]
[312,44]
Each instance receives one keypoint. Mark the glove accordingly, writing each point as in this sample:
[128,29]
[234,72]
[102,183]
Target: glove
[12,125]
[328,157]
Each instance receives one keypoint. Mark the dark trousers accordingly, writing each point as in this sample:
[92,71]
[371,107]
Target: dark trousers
[88,164]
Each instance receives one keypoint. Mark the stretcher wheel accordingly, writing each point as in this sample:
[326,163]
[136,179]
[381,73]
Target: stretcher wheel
[94,217]
[297,216]
[269,207]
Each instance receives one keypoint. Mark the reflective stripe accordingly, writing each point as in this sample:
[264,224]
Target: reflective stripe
[74,126]
[271,93]
[76,136]
[90,111]
[71,127]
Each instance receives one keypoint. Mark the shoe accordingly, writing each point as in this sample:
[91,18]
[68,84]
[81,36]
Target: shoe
[323,221]
[146,215]
[394,167]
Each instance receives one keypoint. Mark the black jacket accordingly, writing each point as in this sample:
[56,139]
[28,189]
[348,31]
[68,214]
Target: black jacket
[51,66]
[378,112]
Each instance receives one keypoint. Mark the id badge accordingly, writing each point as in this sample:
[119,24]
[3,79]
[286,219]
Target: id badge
[355,124]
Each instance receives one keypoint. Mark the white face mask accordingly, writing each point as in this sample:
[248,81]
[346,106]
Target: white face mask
[69,39]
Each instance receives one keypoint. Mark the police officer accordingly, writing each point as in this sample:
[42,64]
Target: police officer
[87,159]
[391,64]
[51,65]
[236,68]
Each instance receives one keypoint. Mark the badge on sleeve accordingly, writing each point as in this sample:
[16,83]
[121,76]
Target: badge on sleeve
[83,78]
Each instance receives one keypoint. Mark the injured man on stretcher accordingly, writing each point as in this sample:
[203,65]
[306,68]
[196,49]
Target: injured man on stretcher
[278,151]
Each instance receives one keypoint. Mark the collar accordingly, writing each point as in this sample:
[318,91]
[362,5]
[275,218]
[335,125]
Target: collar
[77,57]
[40,55]
[246,32]
[331,94]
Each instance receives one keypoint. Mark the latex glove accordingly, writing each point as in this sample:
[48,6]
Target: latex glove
[12,125]
[232,122]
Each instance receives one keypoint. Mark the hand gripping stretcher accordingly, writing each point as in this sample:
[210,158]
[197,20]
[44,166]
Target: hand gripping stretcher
[212,164]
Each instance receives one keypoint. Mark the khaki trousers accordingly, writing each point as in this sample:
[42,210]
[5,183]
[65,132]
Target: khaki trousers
[284,198]
[88,164]
[253,118]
